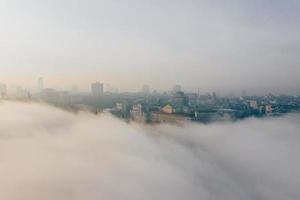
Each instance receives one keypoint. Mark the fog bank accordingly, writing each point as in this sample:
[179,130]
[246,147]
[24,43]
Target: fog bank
[47,153]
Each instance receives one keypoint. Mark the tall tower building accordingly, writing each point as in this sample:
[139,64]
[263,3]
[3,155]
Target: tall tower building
[74,89]
[176,88]
[146,89]
[40,84]
[3,90]
[97,89]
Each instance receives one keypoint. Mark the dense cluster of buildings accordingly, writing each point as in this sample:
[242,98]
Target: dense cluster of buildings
[174,106]
[180,107]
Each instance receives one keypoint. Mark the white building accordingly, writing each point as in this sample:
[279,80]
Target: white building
[253,104]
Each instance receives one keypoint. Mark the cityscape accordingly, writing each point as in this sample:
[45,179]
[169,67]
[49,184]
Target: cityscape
[149,106]
[149,100]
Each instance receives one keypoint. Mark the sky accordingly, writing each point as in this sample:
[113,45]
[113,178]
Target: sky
[210,45]
[54,154]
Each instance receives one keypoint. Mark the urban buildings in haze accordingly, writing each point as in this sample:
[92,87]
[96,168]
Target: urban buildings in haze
[146,89]
[75,89]
[175,107]
[177,88]
[40,84]
[3,90]
[97,89]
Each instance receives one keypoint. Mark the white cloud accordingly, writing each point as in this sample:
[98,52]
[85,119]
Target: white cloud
[46,153]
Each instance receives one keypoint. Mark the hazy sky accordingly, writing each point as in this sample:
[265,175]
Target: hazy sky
[207,44]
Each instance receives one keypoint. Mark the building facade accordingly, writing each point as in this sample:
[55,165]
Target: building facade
[97,89]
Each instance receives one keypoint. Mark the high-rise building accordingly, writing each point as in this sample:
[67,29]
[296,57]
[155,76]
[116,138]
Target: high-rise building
[176,88]
[3,89]
[146,89]
[244,93]
[179,99]
[40,84]
[97,89]
[74,89]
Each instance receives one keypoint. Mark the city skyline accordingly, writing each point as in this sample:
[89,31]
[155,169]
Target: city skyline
[143,88]
[149,99]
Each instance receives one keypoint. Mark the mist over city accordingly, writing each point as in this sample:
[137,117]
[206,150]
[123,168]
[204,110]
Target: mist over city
[143,100]
[48,153]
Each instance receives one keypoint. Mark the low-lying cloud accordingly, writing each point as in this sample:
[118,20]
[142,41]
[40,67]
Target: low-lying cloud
[47,153]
